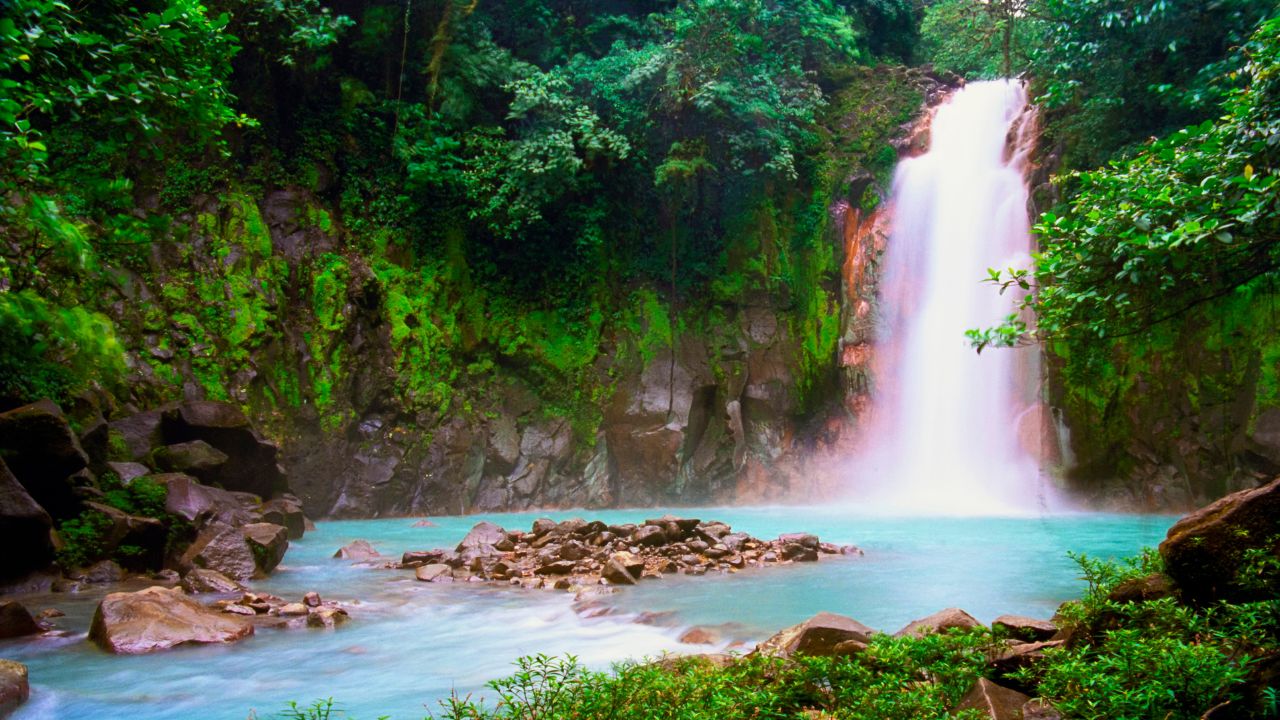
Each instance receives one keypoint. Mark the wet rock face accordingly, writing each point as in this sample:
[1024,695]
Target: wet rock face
[575,553]
[157,619]
[1205,551]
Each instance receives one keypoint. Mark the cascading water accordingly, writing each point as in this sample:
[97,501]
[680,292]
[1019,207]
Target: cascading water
[944,433]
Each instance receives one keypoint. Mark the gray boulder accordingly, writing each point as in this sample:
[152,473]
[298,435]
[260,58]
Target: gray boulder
[223,548]
[359,550]
[194,457]
[202,580]
[269,542]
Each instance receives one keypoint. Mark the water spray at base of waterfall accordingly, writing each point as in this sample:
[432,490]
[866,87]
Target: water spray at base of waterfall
[950,431]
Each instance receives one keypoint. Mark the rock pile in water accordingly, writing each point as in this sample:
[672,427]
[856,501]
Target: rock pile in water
[575,553]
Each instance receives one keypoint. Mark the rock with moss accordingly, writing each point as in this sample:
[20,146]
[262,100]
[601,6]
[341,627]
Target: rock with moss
[268,542]
[1206,552]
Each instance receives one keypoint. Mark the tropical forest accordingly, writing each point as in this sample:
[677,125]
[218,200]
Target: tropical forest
[640,359]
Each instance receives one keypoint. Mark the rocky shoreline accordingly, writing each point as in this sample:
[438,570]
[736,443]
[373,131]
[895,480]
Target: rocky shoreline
[577,554]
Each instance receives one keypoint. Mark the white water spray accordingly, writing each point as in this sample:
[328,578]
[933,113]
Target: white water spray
[943,436]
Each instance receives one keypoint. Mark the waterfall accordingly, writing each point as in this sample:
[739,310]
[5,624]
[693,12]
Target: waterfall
[943,434]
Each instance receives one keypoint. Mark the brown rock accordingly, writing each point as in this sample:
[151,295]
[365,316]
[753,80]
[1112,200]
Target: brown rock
[157,619]
[483,537]
[269,542]
[15,688]
[559,567]
[818,636]
[293,609]
[1204,551]
[940,621]
[359,550]
[1017,656]
[649,536]
[200,504]
[16,621]
[433,572]
[849,647]
[311,599]
[699,636]
[993,701]
[1024,628]
[623,568]
[202,580]
[327,617]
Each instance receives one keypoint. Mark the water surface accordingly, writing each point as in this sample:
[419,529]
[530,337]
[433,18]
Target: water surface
[410,644]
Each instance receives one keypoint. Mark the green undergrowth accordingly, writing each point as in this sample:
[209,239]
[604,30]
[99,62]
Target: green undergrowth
[1123,660]
[86,538]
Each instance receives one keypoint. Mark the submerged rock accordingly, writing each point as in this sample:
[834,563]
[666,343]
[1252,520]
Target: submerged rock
[157,619]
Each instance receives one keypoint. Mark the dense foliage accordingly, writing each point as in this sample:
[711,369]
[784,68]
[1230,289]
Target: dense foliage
[520,180]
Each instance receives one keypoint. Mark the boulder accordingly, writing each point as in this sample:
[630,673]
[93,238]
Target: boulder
[817,636]
[159,618]
[200,504]
[1024,628]
[252,463]
[649,536]
[194,457]
[15,688]
[483,537]
[222,548]
[23,524]
[128,471]
[203,580]
[1019,655]
[327,617]
[100,573]
[542,526]
[42,452]
[140,434]
[16,621]
[269,542]
[1204,551]
[433,572]
[993,701]
[623,568]
[359,550]
[287,511]
[145,537]
[940,621]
